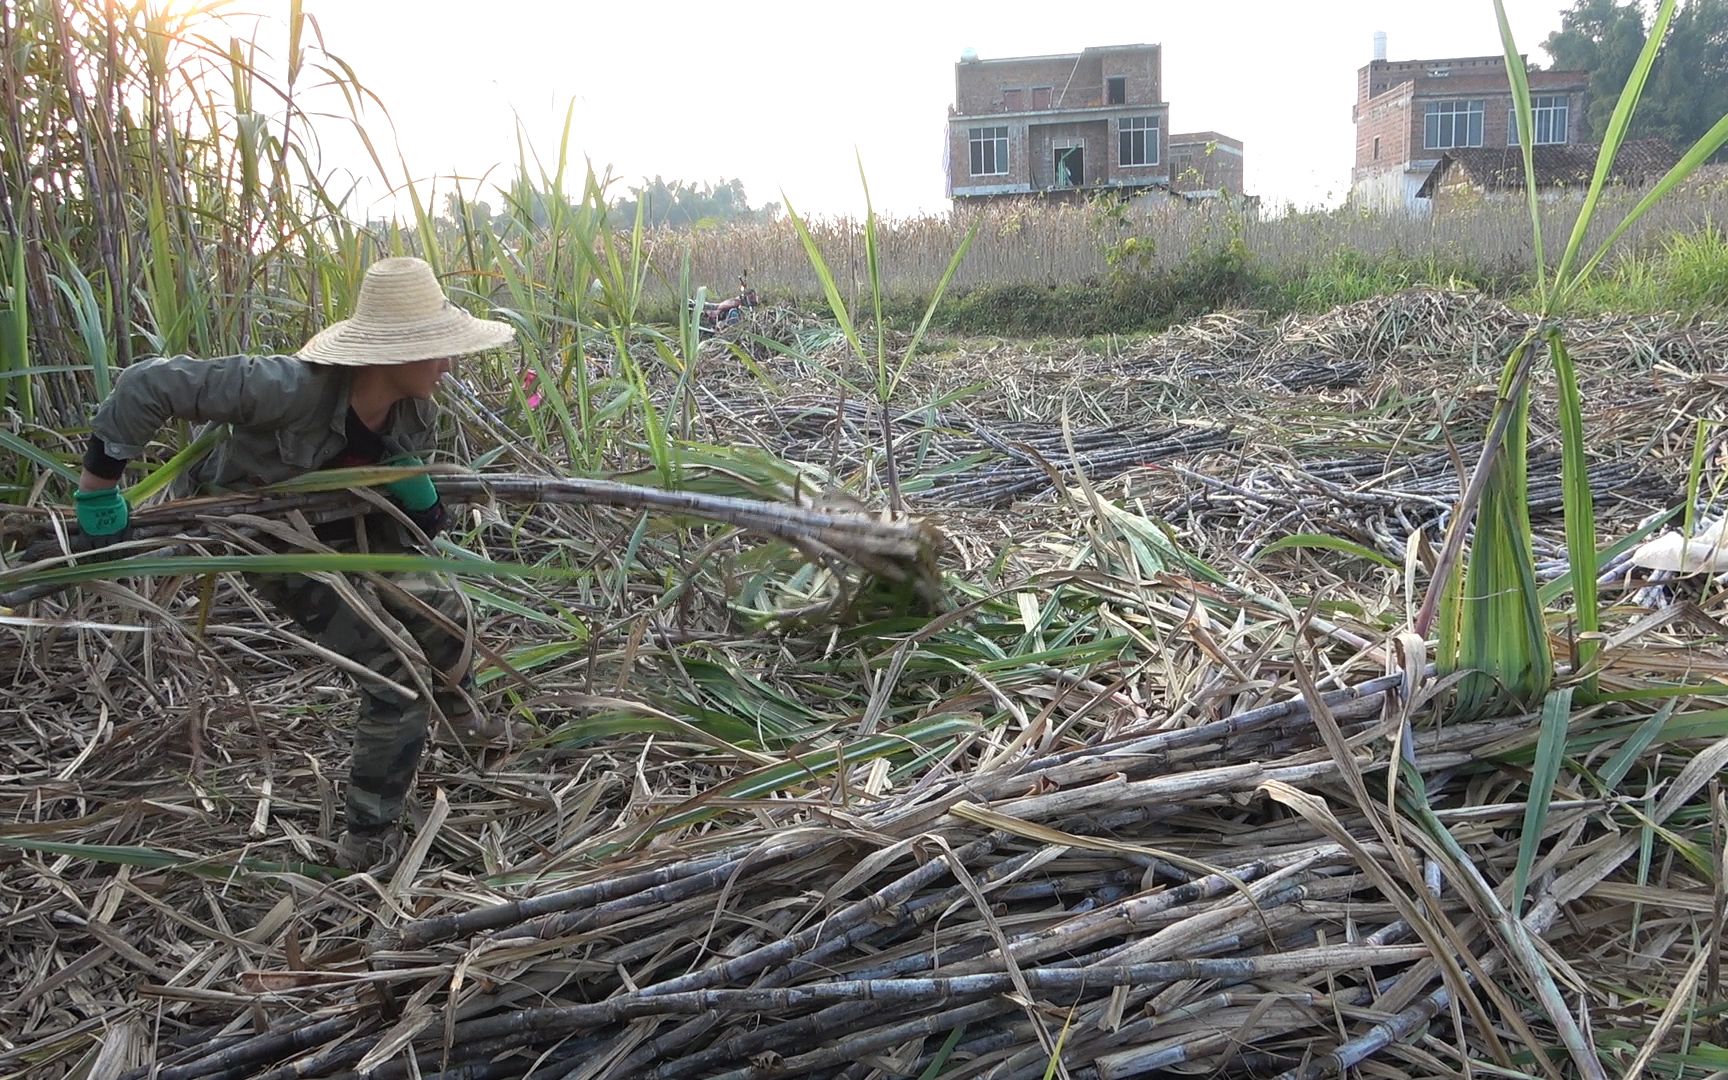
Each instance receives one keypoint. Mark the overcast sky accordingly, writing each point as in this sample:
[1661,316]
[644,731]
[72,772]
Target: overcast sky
[780,94]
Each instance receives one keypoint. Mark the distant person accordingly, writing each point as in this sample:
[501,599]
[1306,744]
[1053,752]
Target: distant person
[359,393]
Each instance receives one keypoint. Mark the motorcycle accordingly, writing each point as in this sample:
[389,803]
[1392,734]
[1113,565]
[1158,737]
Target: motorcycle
[711,317]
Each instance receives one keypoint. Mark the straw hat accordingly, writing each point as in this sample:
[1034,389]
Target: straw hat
[403,316]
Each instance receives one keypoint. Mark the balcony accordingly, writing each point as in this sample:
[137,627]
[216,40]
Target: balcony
[1087,100]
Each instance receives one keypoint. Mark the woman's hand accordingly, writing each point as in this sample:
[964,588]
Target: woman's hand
[103,513]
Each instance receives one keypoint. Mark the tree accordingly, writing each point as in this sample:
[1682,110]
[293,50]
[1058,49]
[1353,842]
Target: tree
[1602,37]
[1688,87]
[1689,84]
[680,205]
[473,215]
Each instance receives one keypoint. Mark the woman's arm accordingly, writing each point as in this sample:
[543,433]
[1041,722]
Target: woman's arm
[247,391]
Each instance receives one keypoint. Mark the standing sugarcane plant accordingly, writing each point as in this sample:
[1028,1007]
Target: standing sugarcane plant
[887,379]
[1493,625]
[1493,620]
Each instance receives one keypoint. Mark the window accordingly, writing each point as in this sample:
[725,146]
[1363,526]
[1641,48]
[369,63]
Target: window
[1451,124]
[1138,140]
[1069,165]
[989,151]
[1041,97]
[1013,100]
[1376,148]
[1116,90]
[1547,113]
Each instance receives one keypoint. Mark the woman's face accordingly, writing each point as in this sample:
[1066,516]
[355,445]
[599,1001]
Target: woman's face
[420,378]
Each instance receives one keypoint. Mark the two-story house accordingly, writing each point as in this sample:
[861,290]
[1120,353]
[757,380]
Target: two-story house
[1409,113]
[1073,123]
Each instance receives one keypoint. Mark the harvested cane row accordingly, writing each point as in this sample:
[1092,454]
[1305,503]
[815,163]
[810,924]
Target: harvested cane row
[951,459]
[1038,458]
[1377,500]
[1421,364]
[1183,899]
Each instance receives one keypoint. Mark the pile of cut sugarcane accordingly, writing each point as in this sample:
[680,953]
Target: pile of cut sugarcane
[1230,897]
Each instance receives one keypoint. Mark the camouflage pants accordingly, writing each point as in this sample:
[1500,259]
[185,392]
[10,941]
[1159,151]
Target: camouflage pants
[390,730]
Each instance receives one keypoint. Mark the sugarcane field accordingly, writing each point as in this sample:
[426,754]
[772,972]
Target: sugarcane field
[533,624]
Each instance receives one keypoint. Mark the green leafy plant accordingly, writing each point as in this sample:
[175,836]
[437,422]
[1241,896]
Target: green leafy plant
[1493,617]
[886,378]
[1493,624]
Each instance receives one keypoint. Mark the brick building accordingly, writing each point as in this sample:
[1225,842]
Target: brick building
[1066,125]
[1205,162]
[1410,112]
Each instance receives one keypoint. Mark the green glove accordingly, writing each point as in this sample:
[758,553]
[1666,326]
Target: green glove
[103,512]
[416,493]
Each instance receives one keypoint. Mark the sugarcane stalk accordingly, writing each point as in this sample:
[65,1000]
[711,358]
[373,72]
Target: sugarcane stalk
[658,1047]
[497,1070]
[864,531]
[540,1025]
[897,550]
[1119,918]
[260,1049]
[855,1047]
[319,1064]
[1542,915]
[460,1059]
[1099,756]
[694,874]
[812,962]
[819,1026]
[754,961]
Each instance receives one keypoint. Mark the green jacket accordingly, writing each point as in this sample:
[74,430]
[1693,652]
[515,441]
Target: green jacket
[288,417]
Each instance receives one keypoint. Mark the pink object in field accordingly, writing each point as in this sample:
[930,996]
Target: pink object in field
[597,369]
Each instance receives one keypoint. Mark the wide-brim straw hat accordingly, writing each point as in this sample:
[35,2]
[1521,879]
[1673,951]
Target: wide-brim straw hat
[403,316]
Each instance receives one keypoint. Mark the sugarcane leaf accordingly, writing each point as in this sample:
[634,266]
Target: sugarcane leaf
[1550,750]
[1328,543]
[803,768]
[1579,509]
[825,276]
[1520,83]
[943,1053]
[1555,589]
[936,295]
[30,452]
[1636,743]
[176,466]
[194,565]
[1619,123]
[1520,946]
[1699,153]
[152,859]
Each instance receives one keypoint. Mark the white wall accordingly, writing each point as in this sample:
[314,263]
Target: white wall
[1392,191]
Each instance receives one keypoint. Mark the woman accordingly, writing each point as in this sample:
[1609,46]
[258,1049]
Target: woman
[358,393]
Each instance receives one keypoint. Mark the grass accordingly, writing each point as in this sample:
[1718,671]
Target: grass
[1688,274]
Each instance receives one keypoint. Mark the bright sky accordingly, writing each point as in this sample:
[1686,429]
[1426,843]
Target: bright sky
[779,94]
